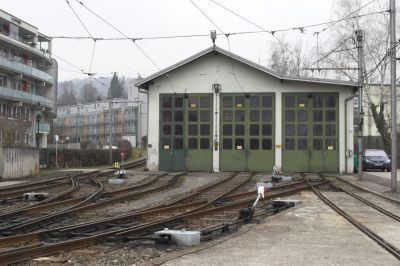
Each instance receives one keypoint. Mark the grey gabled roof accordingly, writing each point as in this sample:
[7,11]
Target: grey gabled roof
[244,61]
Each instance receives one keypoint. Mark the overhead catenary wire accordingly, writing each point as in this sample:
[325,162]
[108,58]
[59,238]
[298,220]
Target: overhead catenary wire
[87,30]
[199,35]
[256,25]
[119,31]
[229,44]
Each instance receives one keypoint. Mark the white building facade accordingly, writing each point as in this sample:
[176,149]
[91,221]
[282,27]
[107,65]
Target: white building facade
[216,111]
[28,83]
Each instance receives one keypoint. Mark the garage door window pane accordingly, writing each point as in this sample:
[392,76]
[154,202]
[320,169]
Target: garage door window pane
[330,116]
[301,101]
[318,101]
[239,144]
[290,101]
[204,144]
[266,115]
[204,115]
[167,116]
[227,130]
[205,101]
[289,115]
[266,130]
[254,115]
[166,130]
[192,130]
[228,117]
[239,130]
[330,101]
[290,144]
[178,116]
[254,144]
[254,130]
[193,102]
[227,144]
[267,101]
[178,144]
[227,101]
[192,144]
[166,143]
[167,102]
[179,102]
[318,130]
[318,116]
[178,129]
[330,144]
[318,145]
[302,130]
[266,144]
[330,130]
[289,130]
[302,144]
[193,116]
[239,101]
[254,101]
[239,116]
[204,130]
[302,115]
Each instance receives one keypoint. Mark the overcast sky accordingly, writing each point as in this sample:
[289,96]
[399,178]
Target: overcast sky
[145,18]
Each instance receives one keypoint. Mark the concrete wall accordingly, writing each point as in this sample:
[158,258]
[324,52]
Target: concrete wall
[236,77]
[18,162]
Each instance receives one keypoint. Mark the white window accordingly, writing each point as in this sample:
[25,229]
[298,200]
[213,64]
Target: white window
[3,81]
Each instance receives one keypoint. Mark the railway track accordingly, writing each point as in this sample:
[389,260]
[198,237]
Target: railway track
[384,243]
[133,225]
[82,204]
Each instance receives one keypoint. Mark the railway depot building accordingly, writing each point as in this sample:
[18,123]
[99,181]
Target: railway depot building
[216,111]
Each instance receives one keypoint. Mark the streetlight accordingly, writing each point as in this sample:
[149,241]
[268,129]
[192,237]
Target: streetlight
[56,137]
[38,116]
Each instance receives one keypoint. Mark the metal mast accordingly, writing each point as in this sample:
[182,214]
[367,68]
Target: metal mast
[393,93]
[360,40]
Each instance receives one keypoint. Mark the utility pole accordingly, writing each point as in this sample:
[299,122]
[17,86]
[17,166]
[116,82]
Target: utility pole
[393,93]
[110,131]
[360,44]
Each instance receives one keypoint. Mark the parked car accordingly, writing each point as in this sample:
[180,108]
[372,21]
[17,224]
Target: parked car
[376,159]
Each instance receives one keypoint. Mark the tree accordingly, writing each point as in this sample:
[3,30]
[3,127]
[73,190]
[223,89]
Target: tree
[288,59]
[342,53]
[67,95]
[89,93]
[116,90]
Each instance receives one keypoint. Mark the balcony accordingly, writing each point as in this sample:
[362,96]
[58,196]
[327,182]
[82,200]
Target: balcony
[25,97]
[43,127]
[26,69]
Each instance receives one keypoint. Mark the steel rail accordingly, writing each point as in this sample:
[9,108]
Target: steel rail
[24,209]
[367,202]
[30,184]
[81,206]
[379,240]
[21,254]
[50,185]
[25,226]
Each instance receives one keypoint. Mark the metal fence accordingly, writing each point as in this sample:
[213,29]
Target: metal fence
[75,158]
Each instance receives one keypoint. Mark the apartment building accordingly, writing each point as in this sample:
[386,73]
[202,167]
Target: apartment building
[87,126]
[28,83]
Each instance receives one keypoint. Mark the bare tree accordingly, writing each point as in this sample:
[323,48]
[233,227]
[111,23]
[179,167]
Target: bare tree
[288,59]
[89,93]
[341,52]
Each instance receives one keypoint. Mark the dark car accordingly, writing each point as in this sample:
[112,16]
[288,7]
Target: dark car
[376,159]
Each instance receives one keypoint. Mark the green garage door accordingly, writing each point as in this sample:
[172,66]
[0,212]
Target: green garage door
[198,132]
[310,132]
[247,132]
[171,150]
[185,132]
